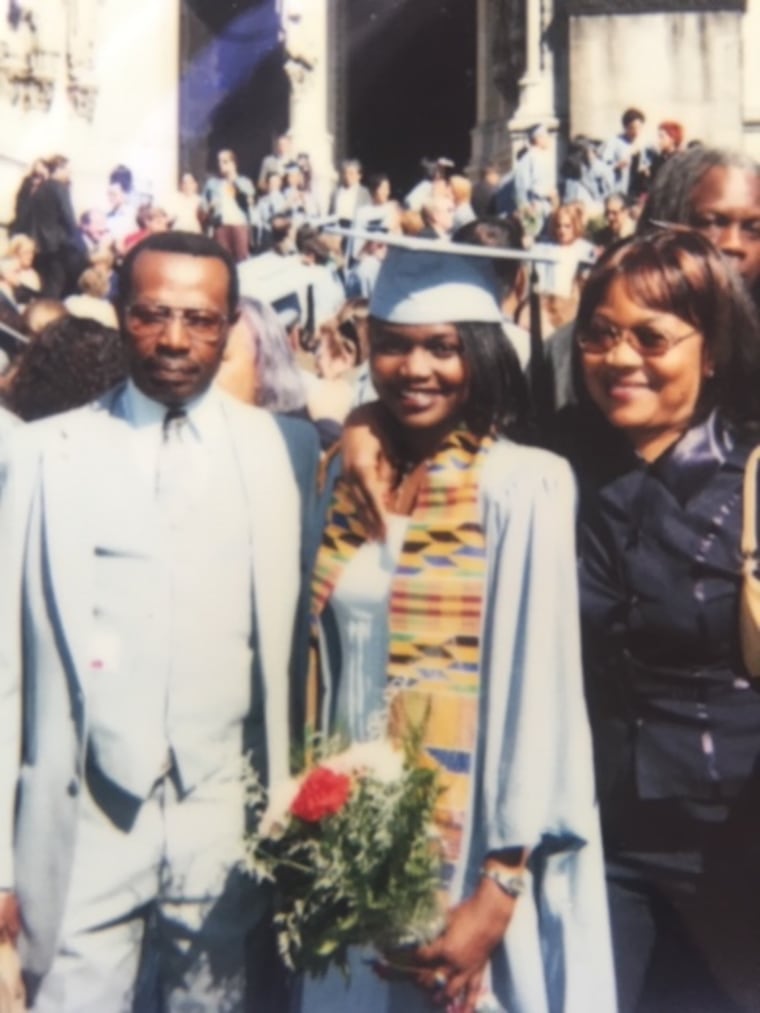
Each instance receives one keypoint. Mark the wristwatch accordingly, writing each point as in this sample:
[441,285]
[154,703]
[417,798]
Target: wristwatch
[511,883]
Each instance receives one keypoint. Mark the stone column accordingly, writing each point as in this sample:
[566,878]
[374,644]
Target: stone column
[306,31]
[535,103]
[490,142]
[515,77]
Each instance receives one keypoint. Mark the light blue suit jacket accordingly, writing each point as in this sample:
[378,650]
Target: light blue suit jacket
[65,480]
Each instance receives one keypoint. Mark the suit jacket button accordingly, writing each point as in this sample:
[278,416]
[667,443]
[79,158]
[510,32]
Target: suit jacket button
[73,788]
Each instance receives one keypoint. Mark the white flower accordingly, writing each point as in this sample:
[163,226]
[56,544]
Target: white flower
[277,813]
[378,759]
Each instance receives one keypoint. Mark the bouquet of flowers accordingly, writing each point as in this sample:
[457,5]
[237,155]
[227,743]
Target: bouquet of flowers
[350,848]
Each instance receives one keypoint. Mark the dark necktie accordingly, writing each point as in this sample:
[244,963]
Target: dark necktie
[174,478]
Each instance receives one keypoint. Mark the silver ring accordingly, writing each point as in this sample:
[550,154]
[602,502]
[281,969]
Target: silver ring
[440,979]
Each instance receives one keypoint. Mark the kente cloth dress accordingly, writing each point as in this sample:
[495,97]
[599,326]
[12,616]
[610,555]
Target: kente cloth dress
[676,721]
[525,777]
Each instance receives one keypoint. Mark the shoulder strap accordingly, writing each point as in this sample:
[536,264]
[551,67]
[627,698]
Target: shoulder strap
[749,518]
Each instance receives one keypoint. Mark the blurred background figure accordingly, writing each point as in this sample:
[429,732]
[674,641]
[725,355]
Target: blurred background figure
[185,207]
[626,155]
[18,278]
[438,214]
[94,235]
[618,222]
[271,203]
[53,227]
[566,233]
[276,162]
[380,211]
[484,190]
[349,195]
[91,302]
[437,170]
[670,136]
[228,202]
[461,195]
[149,220]
[41,312]
[535,179]
[361,278]
[121,209]
[37,173]
[587,179]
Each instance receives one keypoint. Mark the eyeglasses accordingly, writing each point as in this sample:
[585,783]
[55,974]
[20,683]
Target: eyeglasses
[647,341]
[153,321]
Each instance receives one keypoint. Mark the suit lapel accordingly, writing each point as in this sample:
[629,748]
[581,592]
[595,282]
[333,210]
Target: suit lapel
[91,497]
[274,537]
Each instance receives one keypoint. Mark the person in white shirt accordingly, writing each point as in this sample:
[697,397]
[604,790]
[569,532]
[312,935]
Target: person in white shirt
[535,176]
[574,251]
[625,152]
[349,195]
[185,207]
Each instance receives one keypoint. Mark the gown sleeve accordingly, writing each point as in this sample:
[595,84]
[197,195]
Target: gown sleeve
[535,785]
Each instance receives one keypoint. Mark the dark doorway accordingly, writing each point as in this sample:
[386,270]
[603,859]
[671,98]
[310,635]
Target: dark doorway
[234,93]
[411,87]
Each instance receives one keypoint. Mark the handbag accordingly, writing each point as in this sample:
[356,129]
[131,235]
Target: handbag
[749,599]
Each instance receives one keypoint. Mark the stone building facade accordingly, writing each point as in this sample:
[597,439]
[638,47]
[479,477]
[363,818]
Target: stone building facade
[96,80]
[577,64]
[103,80]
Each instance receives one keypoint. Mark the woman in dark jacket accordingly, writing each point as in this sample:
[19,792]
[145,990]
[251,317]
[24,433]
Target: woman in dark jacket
[669,358]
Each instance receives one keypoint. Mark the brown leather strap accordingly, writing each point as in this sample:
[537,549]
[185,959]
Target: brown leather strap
[749,518]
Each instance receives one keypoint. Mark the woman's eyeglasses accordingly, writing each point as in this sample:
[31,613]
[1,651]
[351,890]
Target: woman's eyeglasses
[599,337]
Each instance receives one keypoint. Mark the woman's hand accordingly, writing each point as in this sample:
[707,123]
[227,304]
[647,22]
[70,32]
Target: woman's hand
[12,997]
[458,957]
[10,917]
[367,464]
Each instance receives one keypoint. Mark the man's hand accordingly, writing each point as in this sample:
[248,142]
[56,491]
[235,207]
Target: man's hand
[367,465]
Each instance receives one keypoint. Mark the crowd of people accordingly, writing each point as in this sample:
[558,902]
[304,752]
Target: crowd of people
[275,459]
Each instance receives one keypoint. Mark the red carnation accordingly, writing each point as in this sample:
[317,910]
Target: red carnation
[322,793]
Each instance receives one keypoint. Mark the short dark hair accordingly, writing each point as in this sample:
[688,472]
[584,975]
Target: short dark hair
[376,180]
[72,361]
[190,244]
[56,162]
[631,115]
[122,176]
[679,271]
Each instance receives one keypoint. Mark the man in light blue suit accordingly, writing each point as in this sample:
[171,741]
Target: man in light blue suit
[150,551]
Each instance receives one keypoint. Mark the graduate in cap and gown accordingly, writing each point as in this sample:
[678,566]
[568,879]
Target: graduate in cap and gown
[480,534]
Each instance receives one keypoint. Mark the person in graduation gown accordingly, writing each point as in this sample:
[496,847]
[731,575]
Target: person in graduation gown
[668,355]
[481,533]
